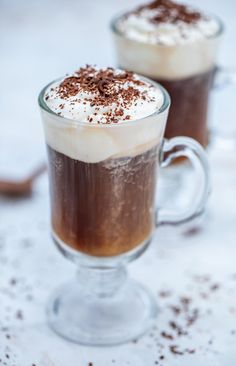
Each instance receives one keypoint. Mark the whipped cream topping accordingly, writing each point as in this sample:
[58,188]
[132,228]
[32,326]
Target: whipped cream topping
[103,96]
[117,109]
[166,40]
[167,23]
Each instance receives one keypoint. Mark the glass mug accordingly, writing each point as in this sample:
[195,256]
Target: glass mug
[187,71]
[104,215]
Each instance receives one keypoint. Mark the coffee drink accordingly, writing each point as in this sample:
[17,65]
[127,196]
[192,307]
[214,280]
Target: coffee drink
[177,46]
[183,118]
[104,132]
[103,159]
[94,211]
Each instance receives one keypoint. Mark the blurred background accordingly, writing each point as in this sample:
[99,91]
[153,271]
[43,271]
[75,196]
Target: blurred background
[42,40]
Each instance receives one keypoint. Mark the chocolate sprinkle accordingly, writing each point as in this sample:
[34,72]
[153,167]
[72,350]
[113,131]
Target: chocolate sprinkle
[104,88]
[167,11]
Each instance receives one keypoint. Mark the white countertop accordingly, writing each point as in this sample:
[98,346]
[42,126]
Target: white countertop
[39,42]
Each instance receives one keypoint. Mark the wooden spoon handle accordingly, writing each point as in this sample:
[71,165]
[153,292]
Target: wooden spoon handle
[37,172]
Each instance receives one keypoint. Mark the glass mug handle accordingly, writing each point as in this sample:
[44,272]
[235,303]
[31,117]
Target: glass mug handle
[223,135]
[223,78]
[186,147]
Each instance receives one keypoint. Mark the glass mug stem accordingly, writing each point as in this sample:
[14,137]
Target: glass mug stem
[186,147]
[101,282]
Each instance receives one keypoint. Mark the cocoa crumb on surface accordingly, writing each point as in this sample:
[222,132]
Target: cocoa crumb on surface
[190,351]
[215,287]
[192,318]
[13,281]
[185,300]
[167,335]
[164,293]
[175,350]
[176,309]
[192,232]
[19,315]
[179,330]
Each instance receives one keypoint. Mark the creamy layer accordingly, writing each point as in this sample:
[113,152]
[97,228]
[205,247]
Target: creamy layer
[167,40]
[112,120]
[142,26]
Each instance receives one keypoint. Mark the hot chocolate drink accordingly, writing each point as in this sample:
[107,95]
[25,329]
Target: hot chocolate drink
[102,159]
[175,45]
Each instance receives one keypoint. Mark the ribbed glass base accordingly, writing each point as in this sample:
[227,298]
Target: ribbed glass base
[115,310]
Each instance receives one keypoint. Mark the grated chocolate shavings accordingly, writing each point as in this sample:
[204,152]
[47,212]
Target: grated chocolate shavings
[104,88]
[167,11]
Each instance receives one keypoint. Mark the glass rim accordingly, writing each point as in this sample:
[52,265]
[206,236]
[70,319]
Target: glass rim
[166,104]
[114,28]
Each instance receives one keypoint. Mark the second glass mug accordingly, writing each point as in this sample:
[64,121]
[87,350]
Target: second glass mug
[189,82]
[104,216]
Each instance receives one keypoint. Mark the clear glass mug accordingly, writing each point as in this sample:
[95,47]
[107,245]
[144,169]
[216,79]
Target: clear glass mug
[104,215]
[188,80]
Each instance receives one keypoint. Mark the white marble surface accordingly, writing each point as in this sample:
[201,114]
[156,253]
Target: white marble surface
[40,41]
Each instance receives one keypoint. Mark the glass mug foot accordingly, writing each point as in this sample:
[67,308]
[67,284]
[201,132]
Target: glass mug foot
[95,308]
[102,320]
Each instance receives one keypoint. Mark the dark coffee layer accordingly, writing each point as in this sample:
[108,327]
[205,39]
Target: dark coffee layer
[189,106]
[106,208]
